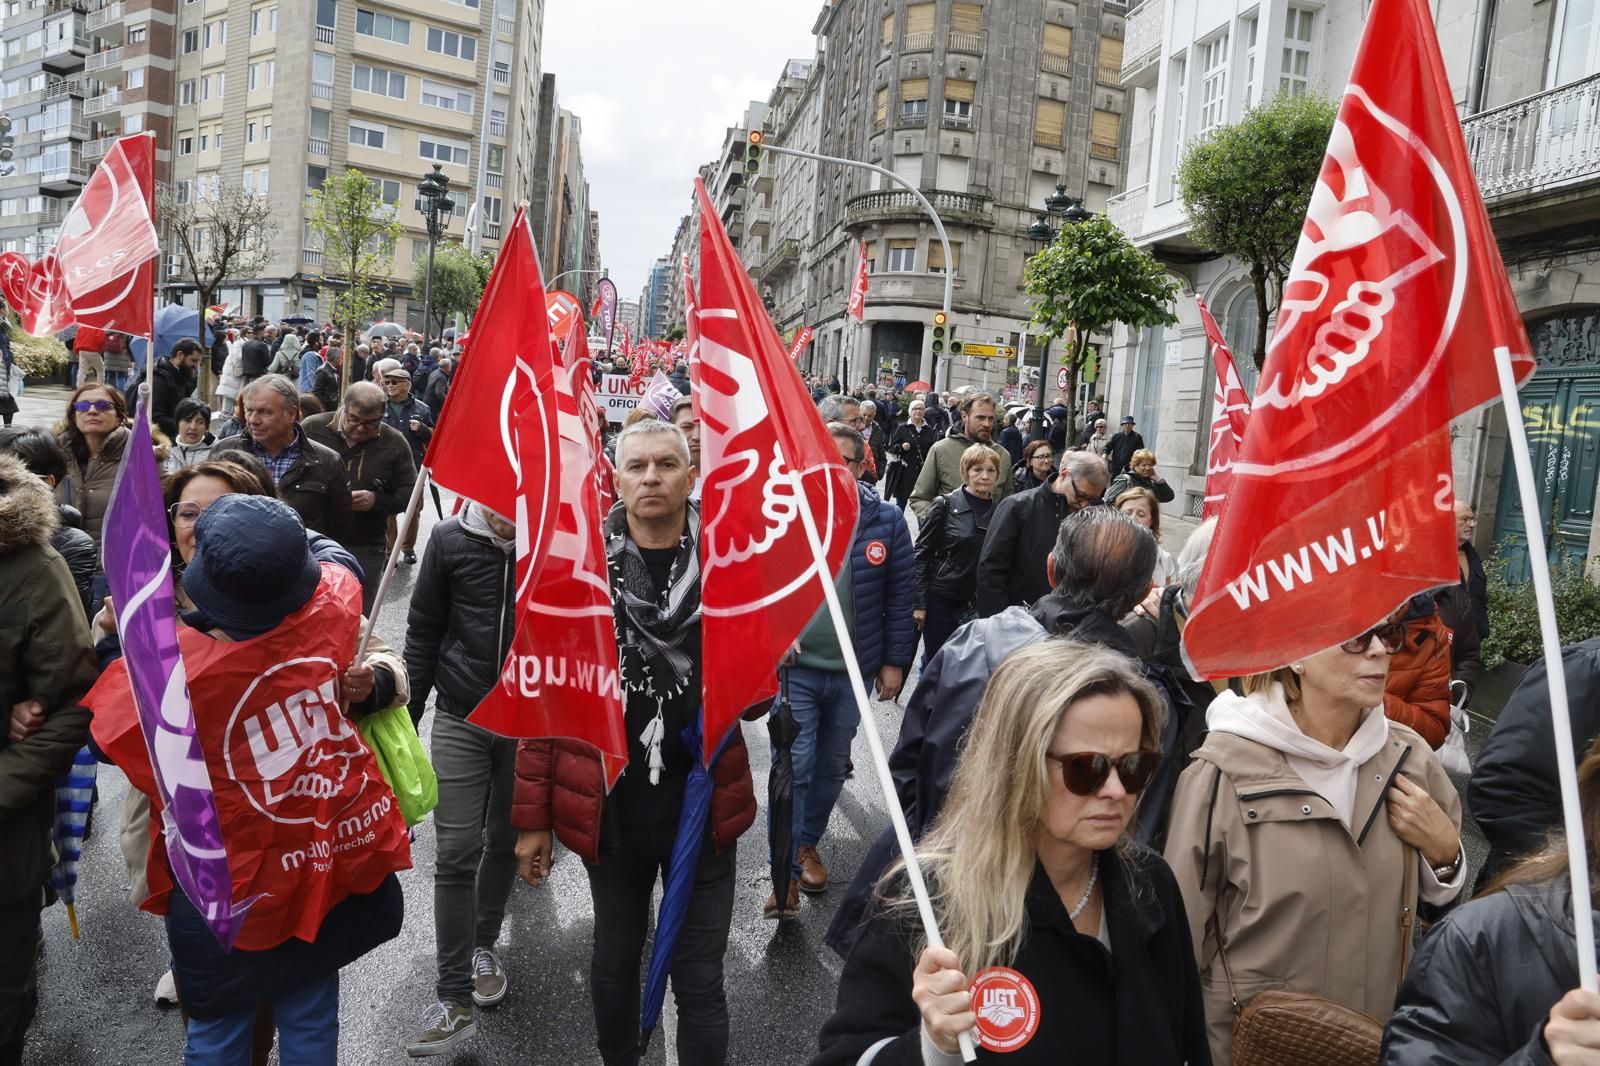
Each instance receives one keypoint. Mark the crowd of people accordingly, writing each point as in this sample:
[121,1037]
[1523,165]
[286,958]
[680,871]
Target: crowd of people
[1121,858]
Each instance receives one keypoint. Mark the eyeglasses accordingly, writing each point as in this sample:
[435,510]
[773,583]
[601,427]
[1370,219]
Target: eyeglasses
[1083,498]
[351,422]
[1392,635]
[185,515]
[1085,772]
[82,406]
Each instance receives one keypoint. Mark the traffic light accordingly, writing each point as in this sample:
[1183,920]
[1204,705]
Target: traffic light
[7,167]
[939,329]
[752,154]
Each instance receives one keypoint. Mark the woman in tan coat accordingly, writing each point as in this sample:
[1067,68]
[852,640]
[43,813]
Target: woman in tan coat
[1303,833]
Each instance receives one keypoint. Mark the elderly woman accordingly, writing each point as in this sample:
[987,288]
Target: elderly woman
[1141,474]
[948,544]
[1065,940]
[1036,468]
[1303,833]
[1140,505]
[907,448]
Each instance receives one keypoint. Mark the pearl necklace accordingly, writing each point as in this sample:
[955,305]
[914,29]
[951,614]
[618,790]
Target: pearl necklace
[1083,901]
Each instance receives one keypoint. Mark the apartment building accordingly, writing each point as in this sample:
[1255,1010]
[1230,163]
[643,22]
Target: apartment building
[786,189]
[1525,75]
[277,96]
[74,76]
[653,308]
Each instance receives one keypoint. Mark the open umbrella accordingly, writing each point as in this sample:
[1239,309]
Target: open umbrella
[74,802]
[918,386]
[385,329]
[782,728]
[298,320]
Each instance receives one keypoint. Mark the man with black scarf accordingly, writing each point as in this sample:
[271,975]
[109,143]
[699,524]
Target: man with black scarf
[625,839]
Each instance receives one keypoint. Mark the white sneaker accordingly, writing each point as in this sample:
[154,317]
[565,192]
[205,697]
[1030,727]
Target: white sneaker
[167,990]
[488,978]
[443,1027]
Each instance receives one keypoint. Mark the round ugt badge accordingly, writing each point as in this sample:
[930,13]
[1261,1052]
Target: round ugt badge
[1007,1009]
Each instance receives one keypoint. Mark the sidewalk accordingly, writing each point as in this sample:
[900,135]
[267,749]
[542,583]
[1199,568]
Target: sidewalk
[42,405]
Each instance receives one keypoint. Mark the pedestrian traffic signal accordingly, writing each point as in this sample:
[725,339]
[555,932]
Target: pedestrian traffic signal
[939,329]
[752,154]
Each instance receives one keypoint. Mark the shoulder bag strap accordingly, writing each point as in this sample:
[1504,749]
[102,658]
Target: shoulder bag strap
[1222,955]
[1408,908]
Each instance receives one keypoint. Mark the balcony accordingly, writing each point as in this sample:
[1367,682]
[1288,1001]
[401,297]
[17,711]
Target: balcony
[1126,210]
[1104,151]
[63,177]
[781,259]
[970,44]
[1538,143]
[55,91]
[502,77]
[324,35]
[96,149]
[1110,77]
[759,220]
[497,127]
[956,122]
[77,131]
[1141,44]
[1055,63]
[111,57]
[105,102]
[54,211]
[493,181]
[917,42]
[320,91]
[965,208]
[311,257]
[491,230]
[317,145]
[66,53]
[109,15]
[505,25]
[911,119]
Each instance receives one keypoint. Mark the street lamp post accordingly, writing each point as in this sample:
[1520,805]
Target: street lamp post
[1070,211]
[432,188]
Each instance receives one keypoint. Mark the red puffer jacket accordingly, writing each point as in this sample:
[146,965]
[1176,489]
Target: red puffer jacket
[1418,691]
[560,787]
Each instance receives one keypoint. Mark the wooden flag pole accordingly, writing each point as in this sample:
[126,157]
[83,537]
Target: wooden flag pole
[902,832]
[1555,671]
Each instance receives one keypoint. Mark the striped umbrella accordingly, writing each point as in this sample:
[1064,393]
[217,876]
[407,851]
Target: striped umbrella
[74,801]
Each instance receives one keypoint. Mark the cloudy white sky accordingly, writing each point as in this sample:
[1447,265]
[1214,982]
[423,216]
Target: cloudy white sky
[656,84]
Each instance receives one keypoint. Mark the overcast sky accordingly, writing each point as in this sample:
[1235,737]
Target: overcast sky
[656,84]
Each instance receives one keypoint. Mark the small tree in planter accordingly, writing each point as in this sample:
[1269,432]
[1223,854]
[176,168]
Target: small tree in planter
[1514,615]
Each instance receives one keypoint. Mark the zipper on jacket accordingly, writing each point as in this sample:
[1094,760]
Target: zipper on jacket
[1278,792]
[500,621]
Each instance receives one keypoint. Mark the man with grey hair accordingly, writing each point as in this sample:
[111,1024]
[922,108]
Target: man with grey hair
[1011,568]
[310,476]
[872,430]
[377,460]
[843,409]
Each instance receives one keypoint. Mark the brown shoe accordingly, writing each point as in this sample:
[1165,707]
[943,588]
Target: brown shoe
[790,910]
[813,875]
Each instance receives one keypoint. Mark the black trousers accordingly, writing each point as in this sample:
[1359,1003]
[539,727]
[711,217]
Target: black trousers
[621,886]
[19,978]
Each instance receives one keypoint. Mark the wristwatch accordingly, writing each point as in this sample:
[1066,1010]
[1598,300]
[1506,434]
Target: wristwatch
[1444,873]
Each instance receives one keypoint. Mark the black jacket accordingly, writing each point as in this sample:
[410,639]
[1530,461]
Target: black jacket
[433,394]
[78,549]
[400,415]
[1011,569]
[384,461]
[1513,793]
[948,543]
[315,486]
[462,618]
[254,358]
[168,385]
[1478,588]
[1129,480]
[938,417]
[1457,612]
[1119,452]
[1137,1005]
[1060,424]
[909,444]
[1483,981]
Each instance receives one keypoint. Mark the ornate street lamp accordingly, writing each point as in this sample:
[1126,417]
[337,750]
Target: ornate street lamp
[432,188]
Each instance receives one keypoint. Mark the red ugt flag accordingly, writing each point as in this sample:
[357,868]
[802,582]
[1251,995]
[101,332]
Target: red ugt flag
[1230,409]
[801,339]
[99,274]
[757,424]
[1341,502]
[858,292]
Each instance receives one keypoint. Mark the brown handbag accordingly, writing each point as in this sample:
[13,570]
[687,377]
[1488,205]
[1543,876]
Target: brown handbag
[1303,1029]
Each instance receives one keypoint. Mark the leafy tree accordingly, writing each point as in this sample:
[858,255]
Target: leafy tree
[221,232]
[1088,280]
[357,231]
[458,281]
[1246,188]
[675,334]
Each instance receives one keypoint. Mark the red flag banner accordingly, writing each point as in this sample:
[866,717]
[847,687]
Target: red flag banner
[563,308]
[1340,506]
[1230,410]
[757,425]
[504,392]
[99,274]
[801,339]
[561,678]
[857,306]
[306,816]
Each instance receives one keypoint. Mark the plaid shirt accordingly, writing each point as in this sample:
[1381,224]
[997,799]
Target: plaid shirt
[279,464]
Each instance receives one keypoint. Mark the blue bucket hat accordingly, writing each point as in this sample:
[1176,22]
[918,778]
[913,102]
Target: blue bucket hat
[252,566]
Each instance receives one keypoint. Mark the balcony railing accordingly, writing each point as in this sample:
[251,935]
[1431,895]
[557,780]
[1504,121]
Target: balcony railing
[106,16]
[104,102]
[1537,142]
[1055,63]
[325,36]
[75,130]
[321,92]
[1141,42]
[310,257]
[909,119]
[1126,210]
[73,171]
[317,145]
[786,251]
[917,42]
[969,208]
[54,91]
[491,230]
[966,43]
[1108,76]
[1103,151]
[493,181]
[957,122]
[76,43]
[505,25]
[497,127]
[97,148]
[502,77]
[100,60]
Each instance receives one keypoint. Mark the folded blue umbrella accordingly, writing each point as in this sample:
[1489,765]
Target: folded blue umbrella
[74,801]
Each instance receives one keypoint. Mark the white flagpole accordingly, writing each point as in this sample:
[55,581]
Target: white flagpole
[402,527]
[902,832]
[1555,671]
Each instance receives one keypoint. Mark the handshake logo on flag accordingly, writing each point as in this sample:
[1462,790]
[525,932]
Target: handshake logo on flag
[297,739]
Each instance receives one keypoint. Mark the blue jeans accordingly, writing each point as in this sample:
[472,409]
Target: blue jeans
[826,712]
[308,1030]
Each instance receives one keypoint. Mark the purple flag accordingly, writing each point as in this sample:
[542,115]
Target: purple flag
[660,395]
[608,309]
[139,571]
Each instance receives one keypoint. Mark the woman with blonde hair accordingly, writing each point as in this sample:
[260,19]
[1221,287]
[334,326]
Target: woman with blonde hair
[1065,940]
[1304,832]
[1141,505]
[948,544]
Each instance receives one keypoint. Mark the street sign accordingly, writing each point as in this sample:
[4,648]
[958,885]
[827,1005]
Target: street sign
[990,351]
[1061,378]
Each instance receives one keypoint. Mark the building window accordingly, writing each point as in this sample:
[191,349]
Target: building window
[185,191]
[460,201]
[446,97]
[186,91]
[1056,58]
[1295,76]
[1049,122]
[186,145]
[191,41]
[386,189]
[266,130]
[1180,97]
[261,178]
[880,115]
[264,74]
[442,151]
[936,257]
[1247,30]
[383,27]
[205,142]
[216,32]
[137,34]
[327,13]
[902,256]
[1213,83]
[914,99]
[133,124]
[320,125]
[379,81]
[322,74]
[250,133]
[450,43]
[264,20]
[247,181]
[315,176]
[491,209]
[368,136]
[135,78]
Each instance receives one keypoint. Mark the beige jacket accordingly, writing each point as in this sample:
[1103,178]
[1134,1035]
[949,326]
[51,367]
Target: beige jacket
[1305,902]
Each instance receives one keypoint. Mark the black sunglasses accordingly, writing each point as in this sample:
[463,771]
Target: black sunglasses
[1392,635]
[1085,772]
[93,405]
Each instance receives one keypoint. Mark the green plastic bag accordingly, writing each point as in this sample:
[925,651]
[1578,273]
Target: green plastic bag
[392,736]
